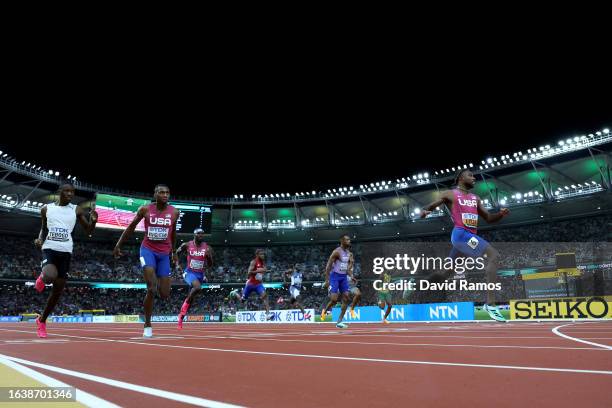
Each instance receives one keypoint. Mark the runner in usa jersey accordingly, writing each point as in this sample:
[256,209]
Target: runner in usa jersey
[254,283]
[156,249]
[199,258]
[465,208]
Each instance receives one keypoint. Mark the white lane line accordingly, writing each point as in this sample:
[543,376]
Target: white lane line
[375,360]
[81,396]
[188,399]
[421,344]
[558,333]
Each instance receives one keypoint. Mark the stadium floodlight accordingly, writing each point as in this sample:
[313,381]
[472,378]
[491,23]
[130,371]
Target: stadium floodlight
[480,167]
[597,133]
[375,218]
[502,202]
[453,168]
[489,160]
[394,212]
[0,152]
[57,173]
[51,172]
[606,131]
[518,196]
[357,216]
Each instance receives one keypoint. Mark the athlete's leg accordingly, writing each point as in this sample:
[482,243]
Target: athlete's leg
[491,271]
[356,297]
[345,303]
[58,288]
[151,281]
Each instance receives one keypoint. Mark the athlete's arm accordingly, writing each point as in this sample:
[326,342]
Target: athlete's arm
[350,267]
[251,271]
[210,254]
[43,228]
[446,197]
[332,258]
[491,218]
[88,225]
[182,247]
[142,212]
[173,238]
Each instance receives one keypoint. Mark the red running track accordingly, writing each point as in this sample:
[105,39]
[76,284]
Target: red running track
[424,365]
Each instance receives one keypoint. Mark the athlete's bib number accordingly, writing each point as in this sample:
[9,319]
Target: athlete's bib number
[344,266]
[470,220]
[196,264]
[157,233]
[259,277]
[297,281]
[58,234]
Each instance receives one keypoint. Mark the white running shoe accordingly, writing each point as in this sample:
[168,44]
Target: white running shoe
[148,332]
[494,313]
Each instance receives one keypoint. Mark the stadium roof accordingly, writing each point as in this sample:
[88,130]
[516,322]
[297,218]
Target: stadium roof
[570,179]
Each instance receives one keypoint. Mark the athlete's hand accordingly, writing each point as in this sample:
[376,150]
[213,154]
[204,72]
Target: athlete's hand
[425,213]
[353,279]
[504,212]
[326,284]
[93,216]
[175,259]
[38,242]
[117,252]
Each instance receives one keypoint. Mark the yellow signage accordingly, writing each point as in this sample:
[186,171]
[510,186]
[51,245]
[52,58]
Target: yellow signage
[549,275]
[127,319]
[562,308]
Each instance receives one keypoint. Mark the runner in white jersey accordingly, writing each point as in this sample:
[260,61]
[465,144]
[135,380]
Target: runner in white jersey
[58,220]
[295,287]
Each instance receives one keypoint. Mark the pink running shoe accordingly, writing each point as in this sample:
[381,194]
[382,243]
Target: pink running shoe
[39,285]
[182,314]
[41,328]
